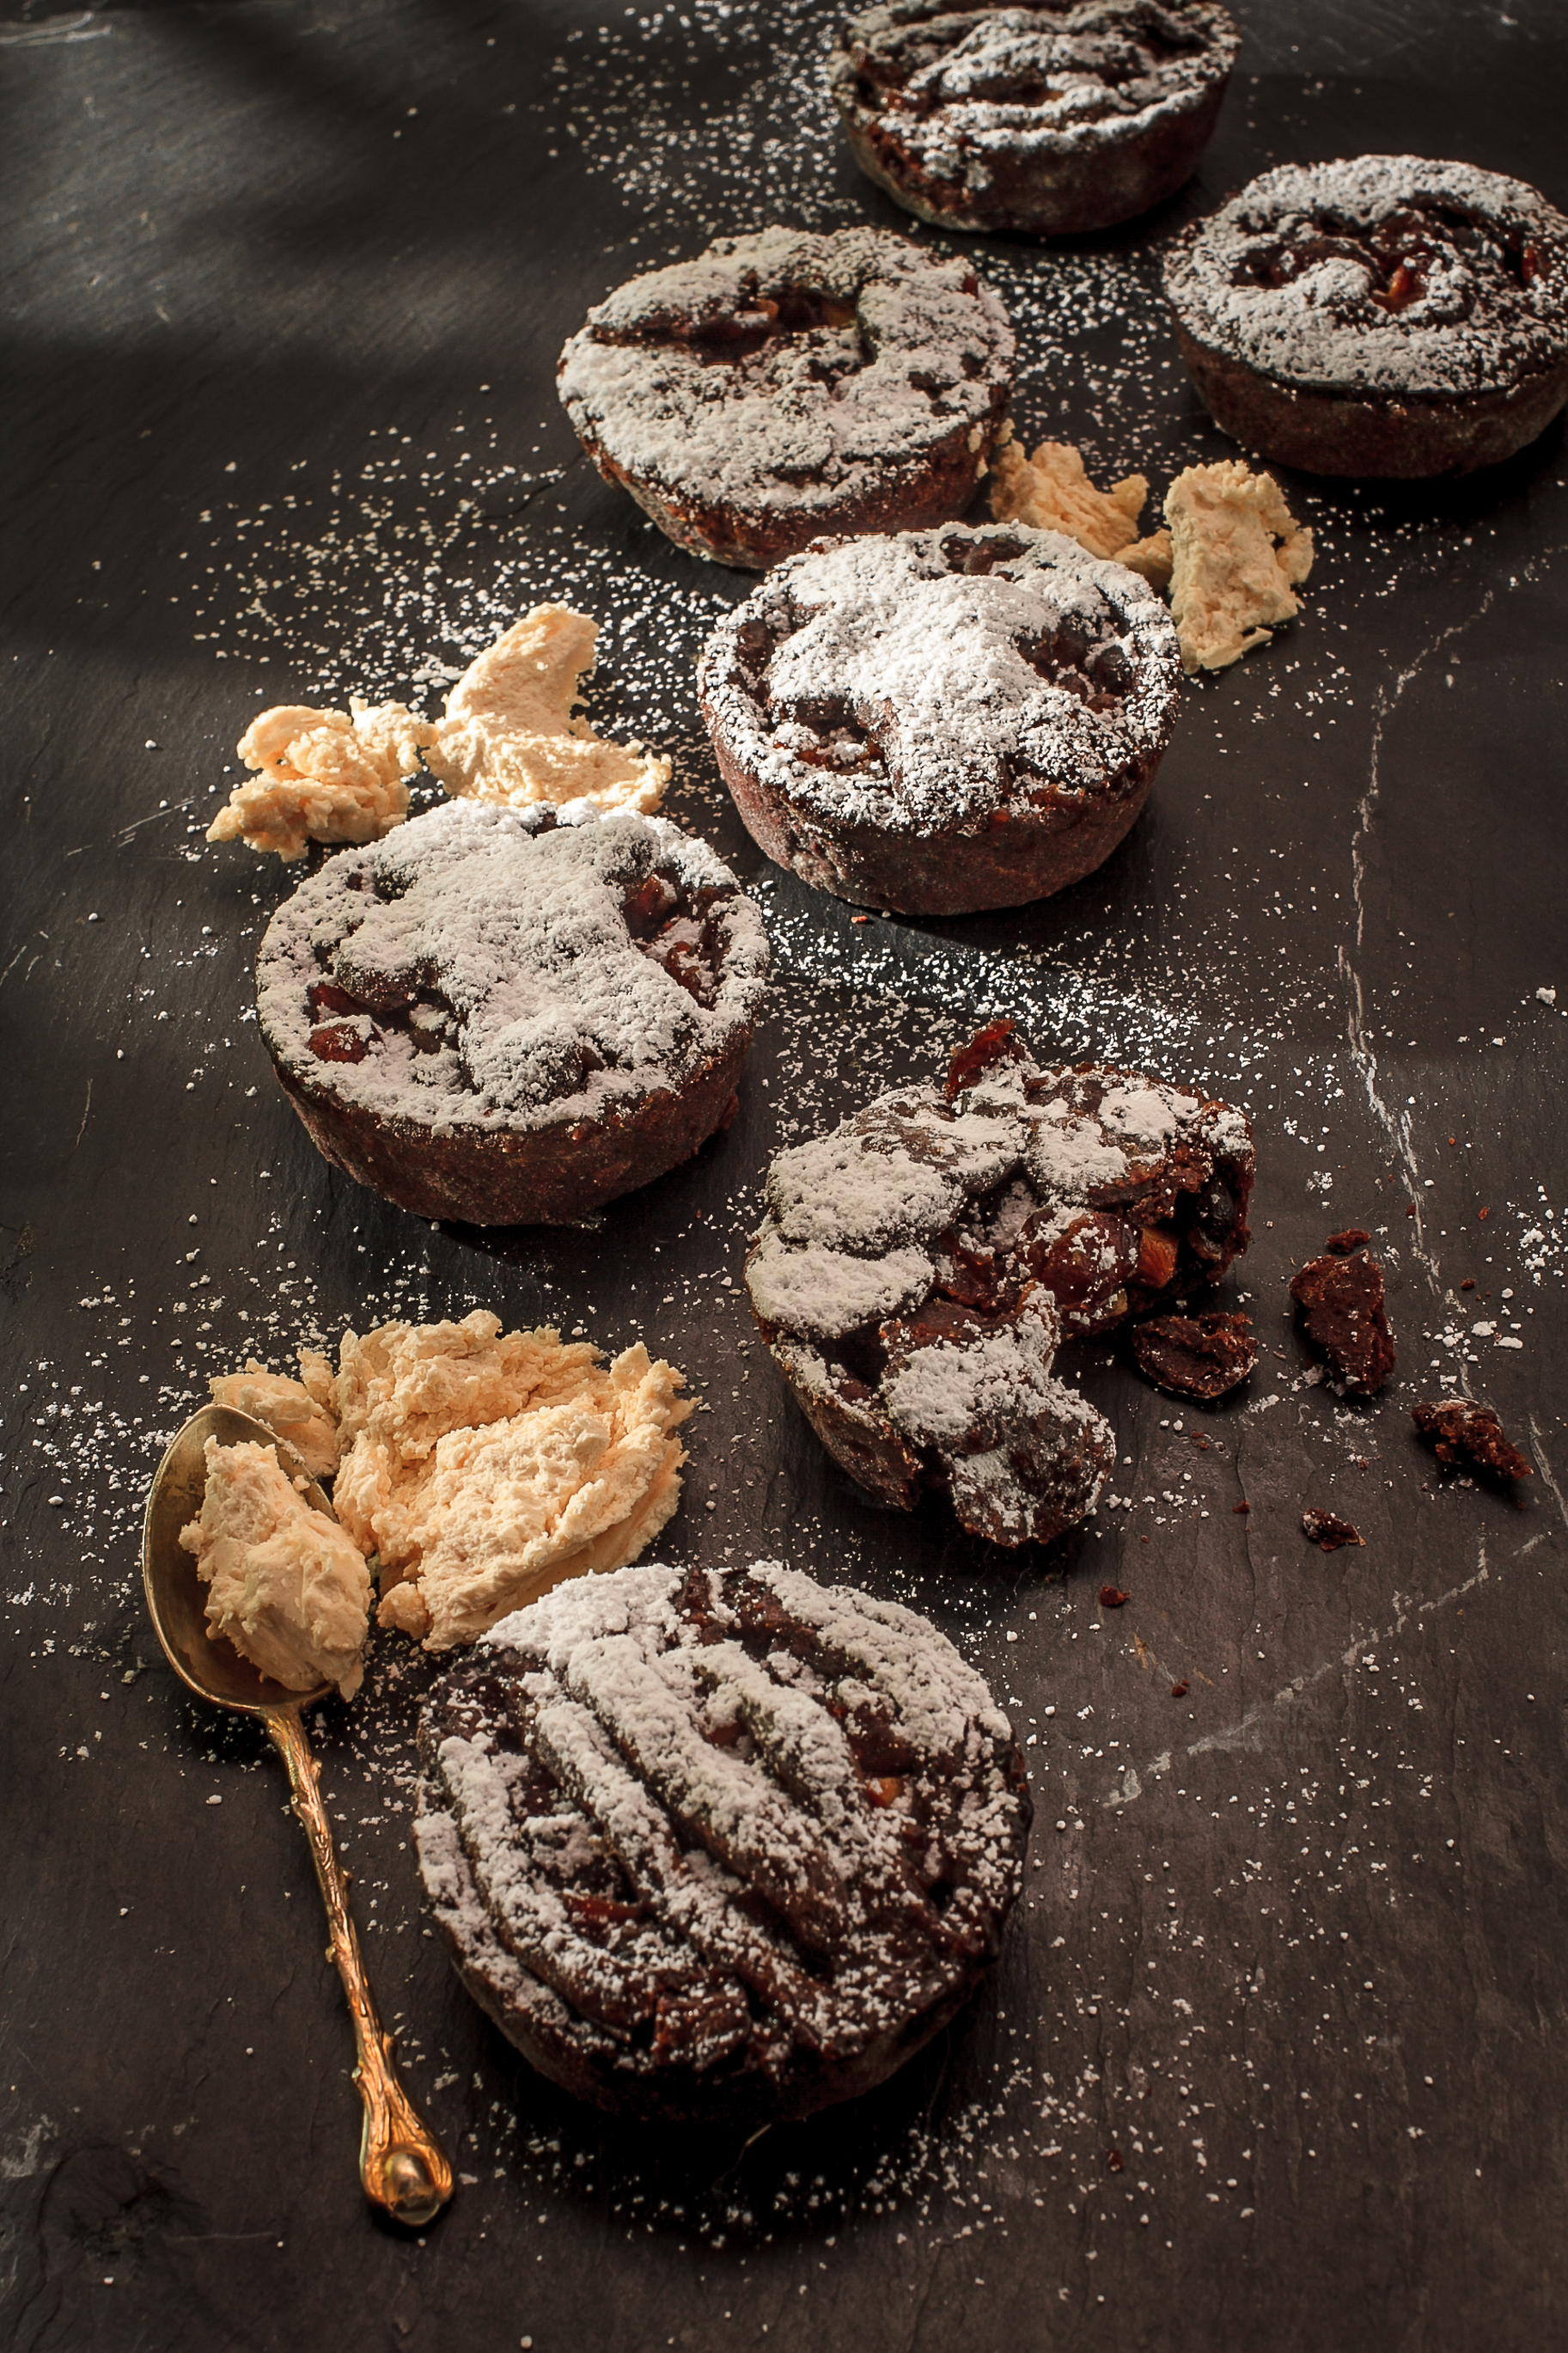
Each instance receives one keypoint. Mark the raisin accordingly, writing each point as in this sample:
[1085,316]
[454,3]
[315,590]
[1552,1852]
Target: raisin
[1341,1303]
[1087,1269]
[988,1046]
[1196,1355]
[326,997]
[339,1041]
[1157,1250]
[1329,1533]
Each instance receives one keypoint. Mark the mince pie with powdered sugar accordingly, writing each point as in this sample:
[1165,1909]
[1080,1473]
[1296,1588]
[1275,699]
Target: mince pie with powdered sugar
[943,721]
[1385,315]
[1053,118]
[719,1846]
[785,385]
[918,1267]
[511,1016]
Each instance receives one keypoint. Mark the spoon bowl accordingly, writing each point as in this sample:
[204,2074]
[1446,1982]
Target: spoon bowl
[205,1662]
[402,2166]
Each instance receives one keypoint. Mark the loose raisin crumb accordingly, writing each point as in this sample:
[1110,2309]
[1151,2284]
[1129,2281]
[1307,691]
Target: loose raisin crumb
[1340,1304]
[1196,1355]
[1462,1431]
[1329,1533]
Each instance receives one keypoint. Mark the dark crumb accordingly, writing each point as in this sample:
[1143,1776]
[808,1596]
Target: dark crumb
[1178,1690]
[1196,1355]
[1114,2160]
[1111,1597]
[1328,1532]
[1410,1212]
[1198,1439]
[1354,1237]
[1468,1283]
[1241,1507]
[1464,1432]
[1341,1305]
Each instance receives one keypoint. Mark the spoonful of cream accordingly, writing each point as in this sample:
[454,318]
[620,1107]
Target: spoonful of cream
[401,2163]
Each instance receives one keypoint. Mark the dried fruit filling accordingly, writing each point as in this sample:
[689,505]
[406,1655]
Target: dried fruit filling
[1133,1238]
[800,329]
[1399,252]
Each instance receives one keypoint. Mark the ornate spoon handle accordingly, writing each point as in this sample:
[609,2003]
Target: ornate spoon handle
[401,2162]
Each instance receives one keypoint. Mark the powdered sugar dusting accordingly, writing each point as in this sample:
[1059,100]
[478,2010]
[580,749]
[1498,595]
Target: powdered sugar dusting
[902,692]
[774,419]
[941,1396]
[509,933]
[895,1168]
[654,1793]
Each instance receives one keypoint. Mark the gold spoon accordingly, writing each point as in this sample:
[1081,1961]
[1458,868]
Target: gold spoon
[401,2162]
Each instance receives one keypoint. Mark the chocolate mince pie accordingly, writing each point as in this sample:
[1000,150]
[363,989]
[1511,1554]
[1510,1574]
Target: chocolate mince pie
[719,1846]
[944,720]
[1380,316]
[785,385]
[918,1266]
[512,1015]
[1052,119]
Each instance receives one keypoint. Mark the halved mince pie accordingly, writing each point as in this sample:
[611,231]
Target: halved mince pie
[945,720]
[511,1016]
[785,385]
[719,1846]
[918,1267]
[1052,118]
[1380,316]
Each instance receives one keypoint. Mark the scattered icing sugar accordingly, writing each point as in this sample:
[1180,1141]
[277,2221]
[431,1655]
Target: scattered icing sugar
[507,929]
[377,566]
[940,687]
[911,353]
[1475,319]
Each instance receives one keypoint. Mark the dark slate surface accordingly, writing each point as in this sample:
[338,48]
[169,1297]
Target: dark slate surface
[286,285]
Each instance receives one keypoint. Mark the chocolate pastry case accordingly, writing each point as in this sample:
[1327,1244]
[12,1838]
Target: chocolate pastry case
[1274,2053]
